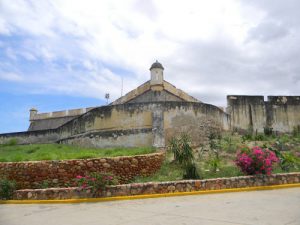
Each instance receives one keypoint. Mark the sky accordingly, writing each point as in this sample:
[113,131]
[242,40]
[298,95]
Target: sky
[64,54]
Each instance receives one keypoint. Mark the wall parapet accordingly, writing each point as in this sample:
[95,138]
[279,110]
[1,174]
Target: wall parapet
[160,187]
[59,114]
[33,174]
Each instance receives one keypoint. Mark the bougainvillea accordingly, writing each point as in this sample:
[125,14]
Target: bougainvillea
[96,181]
[255,160]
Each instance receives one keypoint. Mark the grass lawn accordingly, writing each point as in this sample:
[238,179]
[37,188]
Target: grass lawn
[35,152]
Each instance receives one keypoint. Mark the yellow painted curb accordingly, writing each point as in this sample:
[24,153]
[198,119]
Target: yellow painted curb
[132,197]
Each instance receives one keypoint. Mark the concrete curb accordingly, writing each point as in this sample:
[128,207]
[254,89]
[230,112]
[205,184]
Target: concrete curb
[133,197]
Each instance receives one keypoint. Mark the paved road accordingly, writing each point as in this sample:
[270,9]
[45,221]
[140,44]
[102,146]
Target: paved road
[256,207]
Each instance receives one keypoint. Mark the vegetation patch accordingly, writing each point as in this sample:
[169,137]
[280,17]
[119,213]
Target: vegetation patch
[7,188]
[36,152]
[218,157]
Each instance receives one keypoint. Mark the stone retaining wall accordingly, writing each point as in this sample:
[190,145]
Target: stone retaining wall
[159,188]
[62,172]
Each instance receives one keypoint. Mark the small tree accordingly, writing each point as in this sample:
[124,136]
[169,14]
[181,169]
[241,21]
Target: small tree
[183,155]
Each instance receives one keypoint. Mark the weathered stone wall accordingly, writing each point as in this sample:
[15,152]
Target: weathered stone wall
[247,112]
[282,113]
[51,123]
[59,114]
[61,172]
[161,187]
[29,137]
[108,139]
[133,124]
[198,120]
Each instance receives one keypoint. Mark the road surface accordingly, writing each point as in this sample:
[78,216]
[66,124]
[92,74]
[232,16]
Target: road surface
[272,207]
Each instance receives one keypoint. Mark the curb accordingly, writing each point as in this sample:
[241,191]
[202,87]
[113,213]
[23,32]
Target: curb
[133,197]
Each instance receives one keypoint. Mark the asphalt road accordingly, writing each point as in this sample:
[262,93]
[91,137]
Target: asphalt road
[272,207]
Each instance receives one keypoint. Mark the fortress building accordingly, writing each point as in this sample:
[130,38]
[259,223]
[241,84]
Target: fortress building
[153,113]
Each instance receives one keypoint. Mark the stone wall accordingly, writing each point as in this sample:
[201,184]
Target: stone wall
[59,114]
[29,137]
[62,172]
[108,139]
[161,187]
[282,113]
[132,124]
[198,120]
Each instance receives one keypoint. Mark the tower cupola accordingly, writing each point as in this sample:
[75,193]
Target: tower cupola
[157,73]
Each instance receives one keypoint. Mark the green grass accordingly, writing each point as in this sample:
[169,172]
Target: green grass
[168,172]
[172,172]
[35,152]
[229,144]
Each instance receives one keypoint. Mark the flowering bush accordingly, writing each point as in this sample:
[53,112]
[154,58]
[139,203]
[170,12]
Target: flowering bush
[256,160]
[96,181]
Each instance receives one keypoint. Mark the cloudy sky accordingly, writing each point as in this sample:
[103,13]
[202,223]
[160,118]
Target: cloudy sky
[63,54]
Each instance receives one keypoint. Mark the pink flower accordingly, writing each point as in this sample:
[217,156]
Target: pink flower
[256,160]
[79,177]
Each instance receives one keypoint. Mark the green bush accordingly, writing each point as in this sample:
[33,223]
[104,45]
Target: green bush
[181,149]
[296,131]
[287,160]
[191,172]
[7,188]
[247,137]
[183,155]
[260,137]
[268,131]
[213,162]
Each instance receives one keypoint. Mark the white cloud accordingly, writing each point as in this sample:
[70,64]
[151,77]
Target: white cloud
[209,48]
[10,77]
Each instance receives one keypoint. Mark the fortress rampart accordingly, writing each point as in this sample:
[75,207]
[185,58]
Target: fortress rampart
[132,124]
[57,114]
[281,113]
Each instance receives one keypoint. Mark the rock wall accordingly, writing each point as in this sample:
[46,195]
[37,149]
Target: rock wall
[282,113]
[29,137]
[160,187]
[62,172]
[131,125]
[198,120]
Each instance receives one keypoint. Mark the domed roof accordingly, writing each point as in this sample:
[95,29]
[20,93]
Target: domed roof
[156,65]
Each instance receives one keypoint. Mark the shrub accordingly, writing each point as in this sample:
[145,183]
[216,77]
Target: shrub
[214,163]
[268,131]
[296,131]
[183,155]
[7,188]
[256,160]
[247,137]
[96,181]
[181,149]
[287,160]
[260,137]
[191,172]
